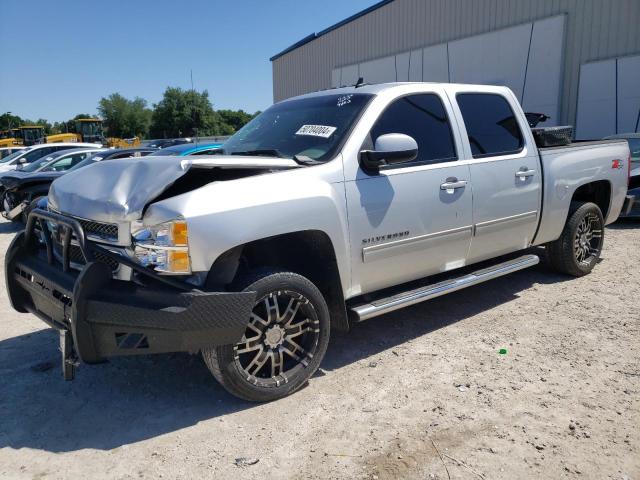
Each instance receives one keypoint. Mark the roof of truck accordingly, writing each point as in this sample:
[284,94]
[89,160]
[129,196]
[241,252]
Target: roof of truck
[377,88]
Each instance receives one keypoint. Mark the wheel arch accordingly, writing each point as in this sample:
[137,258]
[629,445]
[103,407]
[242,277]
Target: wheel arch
[310,253]
[598,192]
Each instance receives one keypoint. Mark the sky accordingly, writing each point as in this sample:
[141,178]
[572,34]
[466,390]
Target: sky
[60,58]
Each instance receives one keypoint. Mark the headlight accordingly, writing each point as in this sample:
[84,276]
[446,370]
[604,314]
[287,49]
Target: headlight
[164,247]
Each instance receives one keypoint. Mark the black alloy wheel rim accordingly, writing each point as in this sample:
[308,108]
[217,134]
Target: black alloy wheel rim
[587,242]
[281,339]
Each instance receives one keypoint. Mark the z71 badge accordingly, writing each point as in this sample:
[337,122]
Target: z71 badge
[389,238]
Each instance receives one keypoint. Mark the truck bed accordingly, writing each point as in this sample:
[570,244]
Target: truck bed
[566,168]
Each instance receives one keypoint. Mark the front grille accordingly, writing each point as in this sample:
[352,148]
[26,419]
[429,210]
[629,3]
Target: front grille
[105,231]
[77,258]
[102,258]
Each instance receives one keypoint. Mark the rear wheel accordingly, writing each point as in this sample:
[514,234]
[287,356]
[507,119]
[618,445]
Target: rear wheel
[578,249]
[284,342]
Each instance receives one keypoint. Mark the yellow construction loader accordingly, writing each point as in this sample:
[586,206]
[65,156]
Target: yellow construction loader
[87,130]
[27,135]
[90,130]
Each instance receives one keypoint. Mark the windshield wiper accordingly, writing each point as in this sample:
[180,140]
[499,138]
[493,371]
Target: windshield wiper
[304,160]
[263,152]
[299,159]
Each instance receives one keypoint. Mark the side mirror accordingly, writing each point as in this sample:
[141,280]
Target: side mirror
[23,160]
[389,149]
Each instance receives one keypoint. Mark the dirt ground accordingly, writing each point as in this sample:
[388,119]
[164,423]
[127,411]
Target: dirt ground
[422,393]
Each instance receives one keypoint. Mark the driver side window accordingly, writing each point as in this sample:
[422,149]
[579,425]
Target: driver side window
[424,118]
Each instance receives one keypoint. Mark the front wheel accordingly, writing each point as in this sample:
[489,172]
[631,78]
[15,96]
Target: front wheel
[578,249]
[284,342]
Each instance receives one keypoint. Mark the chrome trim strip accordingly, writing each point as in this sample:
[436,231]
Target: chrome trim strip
[370,253]
[374,309]
[497,221]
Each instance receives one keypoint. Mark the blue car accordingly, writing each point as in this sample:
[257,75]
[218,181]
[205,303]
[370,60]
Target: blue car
[189,149]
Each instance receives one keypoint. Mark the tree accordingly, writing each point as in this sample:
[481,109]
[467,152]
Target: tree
[185,113]
[124,118]
[236,119]
[45,124]
[59,127]
[8,120]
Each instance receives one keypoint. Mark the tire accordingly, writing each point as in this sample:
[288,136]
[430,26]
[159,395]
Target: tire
[265,365]
[578,249]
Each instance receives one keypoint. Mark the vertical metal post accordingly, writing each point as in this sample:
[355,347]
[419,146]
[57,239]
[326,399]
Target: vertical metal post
[68,355]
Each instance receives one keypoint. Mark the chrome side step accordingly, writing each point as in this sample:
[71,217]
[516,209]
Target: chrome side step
[404,299]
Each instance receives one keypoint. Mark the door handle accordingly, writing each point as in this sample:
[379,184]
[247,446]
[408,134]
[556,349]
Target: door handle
[453,185]
[525,173]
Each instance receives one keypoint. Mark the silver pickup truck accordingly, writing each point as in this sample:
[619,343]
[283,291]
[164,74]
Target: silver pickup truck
[327,209]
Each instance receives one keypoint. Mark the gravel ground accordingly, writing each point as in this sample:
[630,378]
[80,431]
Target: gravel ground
[420,393]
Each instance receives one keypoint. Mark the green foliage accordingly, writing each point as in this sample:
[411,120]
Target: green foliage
[43,123]
[59,127]
[8,121]
[124,118]
[180,113]
[185,113]
[236,119]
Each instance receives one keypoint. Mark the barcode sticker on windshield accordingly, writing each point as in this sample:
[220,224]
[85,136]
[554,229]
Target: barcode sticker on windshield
[316,131]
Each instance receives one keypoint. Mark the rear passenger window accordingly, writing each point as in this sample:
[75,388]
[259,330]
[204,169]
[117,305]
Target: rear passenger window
[424,118]
[491,124]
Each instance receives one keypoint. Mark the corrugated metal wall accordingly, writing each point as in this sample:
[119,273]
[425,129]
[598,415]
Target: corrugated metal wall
[595,29]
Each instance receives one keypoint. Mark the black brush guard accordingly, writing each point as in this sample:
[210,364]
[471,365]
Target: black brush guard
[98,316]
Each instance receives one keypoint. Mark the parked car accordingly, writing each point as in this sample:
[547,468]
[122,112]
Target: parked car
[166,142]
[21,188]
[6,151]
[9,158]
[190,149]
[326,209]
[634,174]
[28,181]
[35,152]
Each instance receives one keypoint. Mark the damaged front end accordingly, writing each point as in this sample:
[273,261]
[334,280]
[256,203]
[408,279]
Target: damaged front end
[99,316]
[115,279]
[13,206]
[19,192]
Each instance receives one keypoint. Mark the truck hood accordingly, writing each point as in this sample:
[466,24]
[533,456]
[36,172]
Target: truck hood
[119,190]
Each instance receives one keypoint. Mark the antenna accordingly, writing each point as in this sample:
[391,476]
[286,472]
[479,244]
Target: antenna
[193,91]
[360,82]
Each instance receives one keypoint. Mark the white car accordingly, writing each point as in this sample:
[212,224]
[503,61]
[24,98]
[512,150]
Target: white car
[6,151]
[35,152]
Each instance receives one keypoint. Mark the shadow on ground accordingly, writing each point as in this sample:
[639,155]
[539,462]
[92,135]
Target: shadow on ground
[625,224]
[132,399]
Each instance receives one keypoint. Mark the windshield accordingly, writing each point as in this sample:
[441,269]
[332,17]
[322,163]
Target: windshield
[37,165]
[88,161]
[309,127]
[90,128]
[32,134]
[14,155]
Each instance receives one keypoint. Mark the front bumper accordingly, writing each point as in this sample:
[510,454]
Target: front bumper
[106,317]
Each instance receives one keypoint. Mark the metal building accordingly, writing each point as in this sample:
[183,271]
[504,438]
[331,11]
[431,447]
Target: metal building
[576,60]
